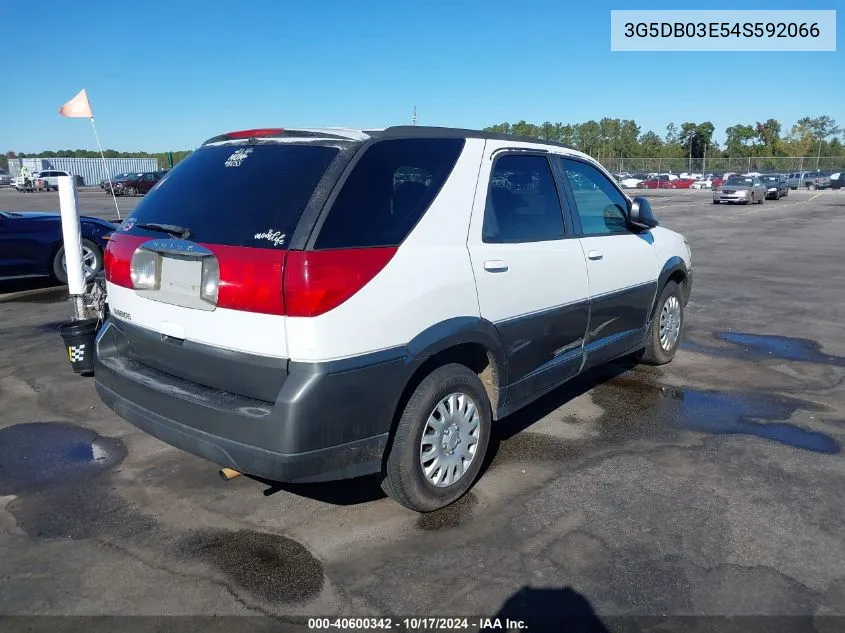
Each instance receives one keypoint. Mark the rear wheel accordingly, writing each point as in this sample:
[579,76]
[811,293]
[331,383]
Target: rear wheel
[811,186]
[664,335]
[92,262]
[440,442]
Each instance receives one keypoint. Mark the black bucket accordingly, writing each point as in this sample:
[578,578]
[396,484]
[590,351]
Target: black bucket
[78,337]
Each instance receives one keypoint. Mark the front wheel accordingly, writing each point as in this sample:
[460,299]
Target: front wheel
[92,262]
[130,191]
[440,442]
[664,334]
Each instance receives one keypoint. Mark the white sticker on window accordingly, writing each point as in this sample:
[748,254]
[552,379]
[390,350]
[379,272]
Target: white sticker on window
[238,157]
[277,237]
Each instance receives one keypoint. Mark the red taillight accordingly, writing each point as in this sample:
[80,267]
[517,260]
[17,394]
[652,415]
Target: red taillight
[318,281]
[256,133]
[250,278]
[117,259]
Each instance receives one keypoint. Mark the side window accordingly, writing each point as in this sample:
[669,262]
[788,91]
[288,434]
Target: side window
[600,206]
[522,201]
[389,190]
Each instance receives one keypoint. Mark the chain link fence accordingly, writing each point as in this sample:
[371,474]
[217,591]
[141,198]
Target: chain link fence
[720,165]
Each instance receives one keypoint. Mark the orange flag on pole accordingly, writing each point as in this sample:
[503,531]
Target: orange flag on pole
[77,107]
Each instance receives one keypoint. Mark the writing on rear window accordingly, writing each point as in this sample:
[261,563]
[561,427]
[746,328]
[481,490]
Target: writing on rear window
[238,157]
[277,237]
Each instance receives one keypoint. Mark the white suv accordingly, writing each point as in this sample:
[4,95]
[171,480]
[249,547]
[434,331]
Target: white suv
[334,303]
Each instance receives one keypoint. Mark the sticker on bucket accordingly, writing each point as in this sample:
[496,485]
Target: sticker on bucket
[76,353]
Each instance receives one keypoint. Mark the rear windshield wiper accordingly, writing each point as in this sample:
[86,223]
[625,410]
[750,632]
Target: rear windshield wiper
[173,229]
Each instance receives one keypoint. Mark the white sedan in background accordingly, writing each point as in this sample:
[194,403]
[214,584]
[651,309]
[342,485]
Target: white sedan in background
[703,183]
[630,183]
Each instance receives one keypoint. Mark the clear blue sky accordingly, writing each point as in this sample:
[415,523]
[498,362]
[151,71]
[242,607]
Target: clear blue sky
[168,75]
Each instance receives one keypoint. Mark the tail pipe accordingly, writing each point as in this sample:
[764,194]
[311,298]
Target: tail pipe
[228,473]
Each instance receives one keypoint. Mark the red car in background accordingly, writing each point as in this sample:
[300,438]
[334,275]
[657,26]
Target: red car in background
[660,182]
[717,182]
[681,183]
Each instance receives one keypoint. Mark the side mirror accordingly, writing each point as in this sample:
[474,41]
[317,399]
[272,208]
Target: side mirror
[641,214]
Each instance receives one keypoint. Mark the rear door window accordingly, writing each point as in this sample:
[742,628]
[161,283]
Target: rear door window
[236,195]
[387,192]
[522,202]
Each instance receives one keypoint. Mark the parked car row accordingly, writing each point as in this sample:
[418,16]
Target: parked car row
[805,179]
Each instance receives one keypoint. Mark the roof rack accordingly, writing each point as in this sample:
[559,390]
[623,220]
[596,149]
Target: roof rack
[451,132]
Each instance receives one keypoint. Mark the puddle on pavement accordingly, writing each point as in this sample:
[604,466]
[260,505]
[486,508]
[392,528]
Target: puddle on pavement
[450,516]
[271,567]
[40,454]
[746,346]
[55,470]
[771,346]
[634,408]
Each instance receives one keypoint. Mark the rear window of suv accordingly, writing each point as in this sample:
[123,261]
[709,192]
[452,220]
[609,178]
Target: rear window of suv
[388,191]
[237,195]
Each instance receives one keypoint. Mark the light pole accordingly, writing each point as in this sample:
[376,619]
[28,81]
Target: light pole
[689,169]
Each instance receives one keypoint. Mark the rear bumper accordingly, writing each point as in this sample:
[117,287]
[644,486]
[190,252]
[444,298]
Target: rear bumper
[327,420]
[353,459]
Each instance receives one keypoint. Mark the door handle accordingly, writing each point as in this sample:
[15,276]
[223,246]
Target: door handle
[595,255]
[495,266]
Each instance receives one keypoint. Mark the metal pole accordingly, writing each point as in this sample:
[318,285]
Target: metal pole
[819,154]
[106,165]
[72,243]
[689,169]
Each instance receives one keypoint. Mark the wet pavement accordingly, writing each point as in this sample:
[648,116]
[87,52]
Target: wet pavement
[711,486]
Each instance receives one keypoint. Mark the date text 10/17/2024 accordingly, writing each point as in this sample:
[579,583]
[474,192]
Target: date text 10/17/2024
[417,624]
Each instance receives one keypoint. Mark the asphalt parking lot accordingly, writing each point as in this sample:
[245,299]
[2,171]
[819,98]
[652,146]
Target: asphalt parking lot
[712,486]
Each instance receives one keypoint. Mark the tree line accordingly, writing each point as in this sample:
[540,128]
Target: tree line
[620,138]
[623,138]
[161,157]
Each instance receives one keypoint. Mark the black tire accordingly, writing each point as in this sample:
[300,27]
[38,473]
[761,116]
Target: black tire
[811,186]
[715,202]
[761,200]
[59,271]
[130,191]
[402,477]
[654,353]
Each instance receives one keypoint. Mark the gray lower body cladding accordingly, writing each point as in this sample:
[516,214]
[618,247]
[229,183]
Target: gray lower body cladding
[327,421]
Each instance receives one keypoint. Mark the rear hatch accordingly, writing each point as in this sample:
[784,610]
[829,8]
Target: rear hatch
[194,275]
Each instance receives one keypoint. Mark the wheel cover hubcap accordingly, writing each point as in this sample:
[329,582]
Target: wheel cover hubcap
[670,323]
[89,262]
[450,439]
